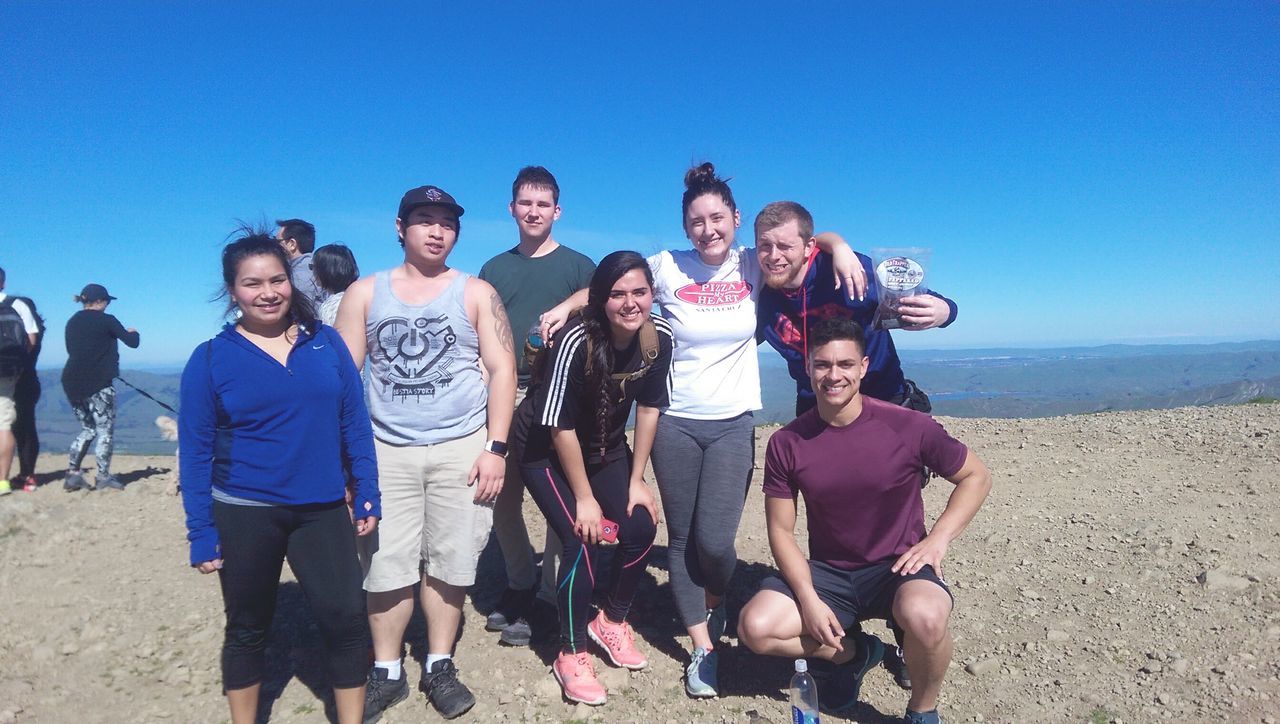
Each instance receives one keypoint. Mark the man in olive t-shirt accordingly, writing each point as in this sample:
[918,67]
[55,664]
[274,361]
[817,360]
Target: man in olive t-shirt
[535,275]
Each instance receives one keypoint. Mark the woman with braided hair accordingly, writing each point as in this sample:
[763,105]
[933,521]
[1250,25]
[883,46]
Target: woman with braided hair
[570,441]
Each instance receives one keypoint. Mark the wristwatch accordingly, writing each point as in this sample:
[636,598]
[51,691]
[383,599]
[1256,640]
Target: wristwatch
[497,447]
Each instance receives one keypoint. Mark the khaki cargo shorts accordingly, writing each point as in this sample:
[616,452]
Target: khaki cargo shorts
[431,522]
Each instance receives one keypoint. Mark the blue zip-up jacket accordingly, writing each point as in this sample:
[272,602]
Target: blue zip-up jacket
[272,433]
[783,316]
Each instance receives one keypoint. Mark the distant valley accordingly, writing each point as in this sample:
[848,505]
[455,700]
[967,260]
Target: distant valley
[961,383]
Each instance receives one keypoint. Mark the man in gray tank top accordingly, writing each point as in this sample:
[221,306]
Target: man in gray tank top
[440,430]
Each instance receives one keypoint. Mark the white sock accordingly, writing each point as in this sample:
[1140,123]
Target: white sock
[392,667]
[432,659]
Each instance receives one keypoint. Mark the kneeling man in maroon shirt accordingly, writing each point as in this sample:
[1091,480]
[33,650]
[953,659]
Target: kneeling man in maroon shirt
[856,461]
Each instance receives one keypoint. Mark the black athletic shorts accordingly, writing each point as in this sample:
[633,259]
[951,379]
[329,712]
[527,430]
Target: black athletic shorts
[855,596]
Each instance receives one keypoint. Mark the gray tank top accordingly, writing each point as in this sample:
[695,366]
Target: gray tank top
[424,385]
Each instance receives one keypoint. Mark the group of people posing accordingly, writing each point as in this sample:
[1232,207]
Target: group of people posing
[379,453]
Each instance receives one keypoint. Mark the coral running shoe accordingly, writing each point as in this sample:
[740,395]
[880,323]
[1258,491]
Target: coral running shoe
[618,641]
[578,678]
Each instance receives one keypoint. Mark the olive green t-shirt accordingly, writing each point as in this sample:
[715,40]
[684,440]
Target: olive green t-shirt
[530,286]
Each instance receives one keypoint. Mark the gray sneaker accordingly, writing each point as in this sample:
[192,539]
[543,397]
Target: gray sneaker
[700,676]
[109,482]
[75,481]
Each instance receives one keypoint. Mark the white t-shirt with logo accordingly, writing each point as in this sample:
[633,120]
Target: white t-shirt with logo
[715,374]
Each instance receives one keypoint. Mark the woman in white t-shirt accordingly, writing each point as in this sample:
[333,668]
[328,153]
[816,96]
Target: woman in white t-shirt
[704,451]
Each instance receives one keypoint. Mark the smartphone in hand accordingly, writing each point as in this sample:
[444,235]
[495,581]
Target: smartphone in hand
[608,531]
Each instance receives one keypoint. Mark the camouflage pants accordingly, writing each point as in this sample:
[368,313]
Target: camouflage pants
[97,416]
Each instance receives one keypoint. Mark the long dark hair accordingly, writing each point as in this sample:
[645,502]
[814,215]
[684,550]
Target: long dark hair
[596,325]
[257,242]
[335,268]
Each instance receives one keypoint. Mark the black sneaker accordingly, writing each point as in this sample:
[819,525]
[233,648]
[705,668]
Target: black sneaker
[511,607]
[381,693]
[75,481]
[842,690]
[449,696]
[896,665]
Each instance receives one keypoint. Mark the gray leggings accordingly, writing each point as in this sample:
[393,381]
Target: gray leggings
[703,469]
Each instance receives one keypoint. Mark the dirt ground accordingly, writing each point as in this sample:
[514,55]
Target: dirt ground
[1125,568]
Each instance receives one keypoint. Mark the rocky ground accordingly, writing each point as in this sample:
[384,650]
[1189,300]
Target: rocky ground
[1125,568]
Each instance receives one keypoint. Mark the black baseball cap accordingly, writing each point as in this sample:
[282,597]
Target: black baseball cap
[94,293]
[424,195]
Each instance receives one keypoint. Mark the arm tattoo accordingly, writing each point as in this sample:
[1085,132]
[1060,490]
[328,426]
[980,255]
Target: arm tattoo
[501,324]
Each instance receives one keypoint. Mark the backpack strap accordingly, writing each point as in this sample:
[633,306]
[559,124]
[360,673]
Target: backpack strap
[648,352]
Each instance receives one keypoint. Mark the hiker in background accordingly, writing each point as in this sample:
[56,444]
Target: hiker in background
[278,398]
[531,277]
[26,397]
[335,270]
[298,239]
[570,441]
[93,361]
[19,335]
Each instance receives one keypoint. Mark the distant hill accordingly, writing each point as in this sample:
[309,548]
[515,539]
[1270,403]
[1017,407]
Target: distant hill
[961,383]
[135,415]
[1048,382]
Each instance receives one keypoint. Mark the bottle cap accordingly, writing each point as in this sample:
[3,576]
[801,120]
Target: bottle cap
[801,666]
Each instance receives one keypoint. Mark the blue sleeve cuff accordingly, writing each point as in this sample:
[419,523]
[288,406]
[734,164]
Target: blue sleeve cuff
[205,546]
[367,506]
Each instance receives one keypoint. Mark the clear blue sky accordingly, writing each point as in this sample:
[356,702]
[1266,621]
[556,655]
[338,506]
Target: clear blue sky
[1084,172]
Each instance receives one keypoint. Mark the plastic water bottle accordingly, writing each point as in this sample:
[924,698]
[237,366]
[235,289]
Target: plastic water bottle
[804,695]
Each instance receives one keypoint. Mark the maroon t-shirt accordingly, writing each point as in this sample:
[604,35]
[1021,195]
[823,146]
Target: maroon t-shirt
[861,482]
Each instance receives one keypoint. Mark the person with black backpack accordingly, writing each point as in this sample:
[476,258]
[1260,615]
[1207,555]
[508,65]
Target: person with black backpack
[26,397]
[93,362]
[18,334]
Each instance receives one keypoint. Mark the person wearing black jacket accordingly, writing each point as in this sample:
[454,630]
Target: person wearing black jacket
[25,397]
[93,361]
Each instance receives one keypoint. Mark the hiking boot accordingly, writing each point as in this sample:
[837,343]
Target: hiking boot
[517,633]
[5,487]
[577,678]
[75,481]
[925,717]
[29,484]
[109,482]
[381,693]
[842,690]
[701,674]
[449,696]
[717,622]
[896,665]
[618,641]
[511,607]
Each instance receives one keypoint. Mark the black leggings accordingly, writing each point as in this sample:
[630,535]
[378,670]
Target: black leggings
[319,542]
[25,397]
[578,562]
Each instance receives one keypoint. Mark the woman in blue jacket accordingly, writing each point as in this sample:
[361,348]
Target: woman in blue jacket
[273,418]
